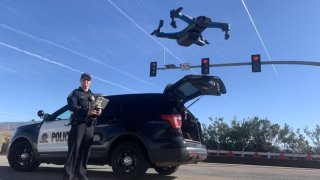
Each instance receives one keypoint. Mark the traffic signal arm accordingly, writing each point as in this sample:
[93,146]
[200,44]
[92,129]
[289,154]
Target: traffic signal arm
[288,62]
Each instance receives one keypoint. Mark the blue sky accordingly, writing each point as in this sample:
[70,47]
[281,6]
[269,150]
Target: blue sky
[45,45]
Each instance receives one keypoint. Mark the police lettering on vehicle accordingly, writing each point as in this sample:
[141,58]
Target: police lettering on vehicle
[59,137]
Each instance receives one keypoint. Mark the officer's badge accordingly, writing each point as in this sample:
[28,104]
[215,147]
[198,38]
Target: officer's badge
[92,98]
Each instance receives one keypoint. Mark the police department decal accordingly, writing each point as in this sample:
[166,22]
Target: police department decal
[44,138]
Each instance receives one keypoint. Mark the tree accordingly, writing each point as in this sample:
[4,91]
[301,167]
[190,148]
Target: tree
[303,145]
[216,135]
[240,135]
[261,135]
[293,142]
[314,136]
[257,134]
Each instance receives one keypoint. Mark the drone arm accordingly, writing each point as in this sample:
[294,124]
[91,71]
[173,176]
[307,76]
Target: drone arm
[223,26]
[181,16]
[185,18]
[176,13]
[214,25]
[168,35]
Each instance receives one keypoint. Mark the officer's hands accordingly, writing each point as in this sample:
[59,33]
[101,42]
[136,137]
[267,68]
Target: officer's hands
[99,111]
[92,112]
[95,112]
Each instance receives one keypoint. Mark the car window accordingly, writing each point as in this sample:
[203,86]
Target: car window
[188,89]
[112,110]
[146,105]
[64,116]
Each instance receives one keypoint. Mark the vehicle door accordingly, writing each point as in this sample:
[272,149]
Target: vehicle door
[53,134]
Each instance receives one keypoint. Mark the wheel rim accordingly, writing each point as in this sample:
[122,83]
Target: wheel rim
[167,168]
[24,157]
[127,161]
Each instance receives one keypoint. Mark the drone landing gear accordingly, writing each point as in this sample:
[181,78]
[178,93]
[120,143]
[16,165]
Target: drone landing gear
[203,40]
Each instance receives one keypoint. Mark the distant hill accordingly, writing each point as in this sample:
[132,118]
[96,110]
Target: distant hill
[6,129]
[11,126]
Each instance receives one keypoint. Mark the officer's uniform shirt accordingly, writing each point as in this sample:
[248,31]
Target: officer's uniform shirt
[79,102]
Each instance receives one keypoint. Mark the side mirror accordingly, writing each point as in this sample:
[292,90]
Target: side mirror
[41,114]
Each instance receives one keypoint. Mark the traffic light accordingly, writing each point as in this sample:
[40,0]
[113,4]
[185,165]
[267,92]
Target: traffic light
[256,63]
[205,66]
[153,69]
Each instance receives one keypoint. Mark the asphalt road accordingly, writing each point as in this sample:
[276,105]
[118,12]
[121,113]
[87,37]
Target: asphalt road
[201,171]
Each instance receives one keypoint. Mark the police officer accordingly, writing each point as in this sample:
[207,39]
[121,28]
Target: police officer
[80,137]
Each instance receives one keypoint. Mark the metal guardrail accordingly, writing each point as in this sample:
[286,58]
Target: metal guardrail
[267,155]
[264,158]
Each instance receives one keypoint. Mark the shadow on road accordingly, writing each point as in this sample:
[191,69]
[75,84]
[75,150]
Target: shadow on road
[55,173]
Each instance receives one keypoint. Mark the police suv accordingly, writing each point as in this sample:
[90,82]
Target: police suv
[134,132]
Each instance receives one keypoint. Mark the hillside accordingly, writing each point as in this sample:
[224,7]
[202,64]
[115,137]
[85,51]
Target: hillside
[11,126]
[6,130]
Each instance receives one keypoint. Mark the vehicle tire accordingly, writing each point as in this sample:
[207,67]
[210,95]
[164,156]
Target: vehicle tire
[128,161]
[166,170]
[22,157]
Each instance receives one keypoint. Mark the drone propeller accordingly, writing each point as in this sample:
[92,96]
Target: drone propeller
[173,23]
[226,27]
[158,29]
[226,35]
[160,24]
[173,15]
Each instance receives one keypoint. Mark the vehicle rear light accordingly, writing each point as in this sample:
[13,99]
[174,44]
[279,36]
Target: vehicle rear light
[174,119]
[193,155]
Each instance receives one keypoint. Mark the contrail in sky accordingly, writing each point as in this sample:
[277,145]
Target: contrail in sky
[77,53]
[148,34]
[63,65]
[265,49]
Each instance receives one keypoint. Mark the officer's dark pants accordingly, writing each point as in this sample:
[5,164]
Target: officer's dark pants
[80,138]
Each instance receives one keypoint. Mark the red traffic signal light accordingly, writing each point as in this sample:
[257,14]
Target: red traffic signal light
[256,63]
[205,66]
[256,57]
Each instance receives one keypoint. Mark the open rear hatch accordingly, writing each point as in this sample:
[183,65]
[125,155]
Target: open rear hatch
[192,86]
[186,89]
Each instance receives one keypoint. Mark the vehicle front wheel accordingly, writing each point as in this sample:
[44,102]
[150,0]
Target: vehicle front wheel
[128,161]
[22,158]
[166,170]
